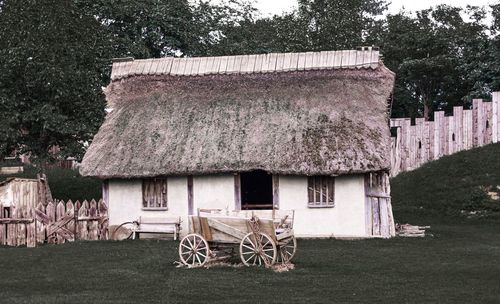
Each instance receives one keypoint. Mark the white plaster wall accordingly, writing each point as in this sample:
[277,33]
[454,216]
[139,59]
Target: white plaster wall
[213,192]
[125,201]
[345,219]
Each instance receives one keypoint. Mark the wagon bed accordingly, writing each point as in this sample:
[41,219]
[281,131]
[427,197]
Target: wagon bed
[262,241]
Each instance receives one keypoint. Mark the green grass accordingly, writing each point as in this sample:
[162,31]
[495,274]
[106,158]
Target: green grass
[452,188]
[459,263]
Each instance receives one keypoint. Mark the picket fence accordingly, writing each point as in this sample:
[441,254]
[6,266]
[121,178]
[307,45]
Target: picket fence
[417,144]
[57,222]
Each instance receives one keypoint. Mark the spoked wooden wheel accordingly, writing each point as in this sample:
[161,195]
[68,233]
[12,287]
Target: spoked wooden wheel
[194,250]
[258,249]
[287,249]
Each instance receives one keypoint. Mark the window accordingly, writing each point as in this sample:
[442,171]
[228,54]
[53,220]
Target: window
[321,190]
[154,194]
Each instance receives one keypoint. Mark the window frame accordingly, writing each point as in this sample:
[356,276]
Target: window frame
[151,205]
[324,197]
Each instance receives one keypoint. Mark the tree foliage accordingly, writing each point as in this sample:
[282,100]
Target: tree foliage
[316,25]
[158,28]
[434,51]
[54,59]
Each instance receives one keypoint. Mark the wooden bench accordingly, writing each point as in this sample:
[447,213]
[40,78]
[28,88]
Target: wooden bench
[158,225]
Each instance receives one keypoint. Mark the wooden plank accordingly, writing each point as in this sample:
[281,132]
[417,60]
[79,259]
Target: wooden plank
[237,191]
[206,231]
[213,66]
[480,122]
[308,60]
[227,229]
[247,64]
[269,64]
[375,59]
[103,223]
[337,59]
[488,134]
[167,66]
[82,230]
[331,59]
[375,216]
[93,224]
[2,227]
[223,64]
[280,62]
[495,120]
[31,235]
[259,62]
[321,62]
[190,194]
[359,59]
[276,192]
[316,61]
[301,63]
[20,227]
[186,65]
[60,213]
[351,64]
[196,66]
[231,65]
[384,218]
[368,206]
[50,211]
[367,57]
[292,63]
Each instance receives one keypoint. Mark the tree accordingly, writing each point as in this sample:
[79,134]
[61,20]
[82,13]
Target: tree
[340,24]
[440,59]
[158,28]
[495,48]
[315,26]
[54,60]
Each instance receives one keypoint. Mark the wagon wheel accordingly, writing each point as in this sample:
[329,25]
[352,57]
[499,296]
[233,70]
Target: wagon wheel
[124,231]
[257,249]
[194,250]
[287,249]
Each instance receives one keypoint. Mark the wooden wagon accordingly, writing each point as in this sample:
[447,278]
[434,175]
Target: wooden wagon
[263,237]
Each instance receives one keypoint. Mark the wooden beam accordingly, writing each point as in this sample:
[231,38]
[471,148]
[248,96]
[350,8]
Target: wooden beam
[190,194]
[237,191]
[217,225]
[276,192]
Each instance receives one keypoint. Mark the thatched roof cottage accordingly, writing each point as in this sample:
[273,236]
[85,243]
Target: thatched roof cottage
[302,131]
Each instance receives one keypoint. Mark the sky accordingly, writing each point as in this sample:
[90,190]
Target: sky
[270,7]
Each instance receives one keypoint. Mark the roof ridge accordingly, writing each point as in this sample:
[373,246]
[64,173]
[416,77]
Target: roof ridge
[364,57]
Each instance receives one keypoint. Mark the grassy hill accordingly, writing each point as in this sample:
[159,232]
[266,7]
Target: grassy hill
[461,187]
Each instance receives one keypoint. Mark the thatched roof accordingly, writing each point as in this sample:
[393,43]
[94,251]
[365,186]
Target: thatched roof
[327,121]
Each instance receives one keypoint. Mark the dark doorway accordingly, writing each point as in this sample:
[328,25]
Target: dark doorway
[256,190]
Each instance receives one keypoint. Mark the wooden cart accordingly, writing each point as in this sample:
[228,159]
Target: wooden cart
[263,237]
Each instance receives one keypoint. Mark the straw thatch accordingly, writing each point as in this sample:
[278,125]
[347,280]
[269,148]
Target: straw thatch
[322,122]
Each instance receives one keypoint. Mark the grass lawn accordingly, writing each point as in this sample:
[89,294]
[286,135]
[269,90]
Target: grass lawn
[460,263]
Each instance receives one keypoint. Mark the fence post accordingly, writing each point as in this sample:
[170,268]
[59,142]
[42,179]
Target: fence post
[495,121]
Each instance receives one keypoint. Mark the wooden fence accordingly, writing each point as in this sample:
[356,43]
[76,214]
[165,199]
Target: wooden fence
[417,144]
[54,223]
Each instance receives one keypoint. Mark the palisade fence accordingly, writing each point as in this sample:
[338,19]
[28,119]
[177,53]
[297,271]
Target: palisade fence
[417,144]
[57,222]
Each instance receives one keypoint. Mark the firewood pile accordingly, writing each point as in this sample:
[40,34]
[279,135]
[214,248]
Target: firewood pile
[407,230]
